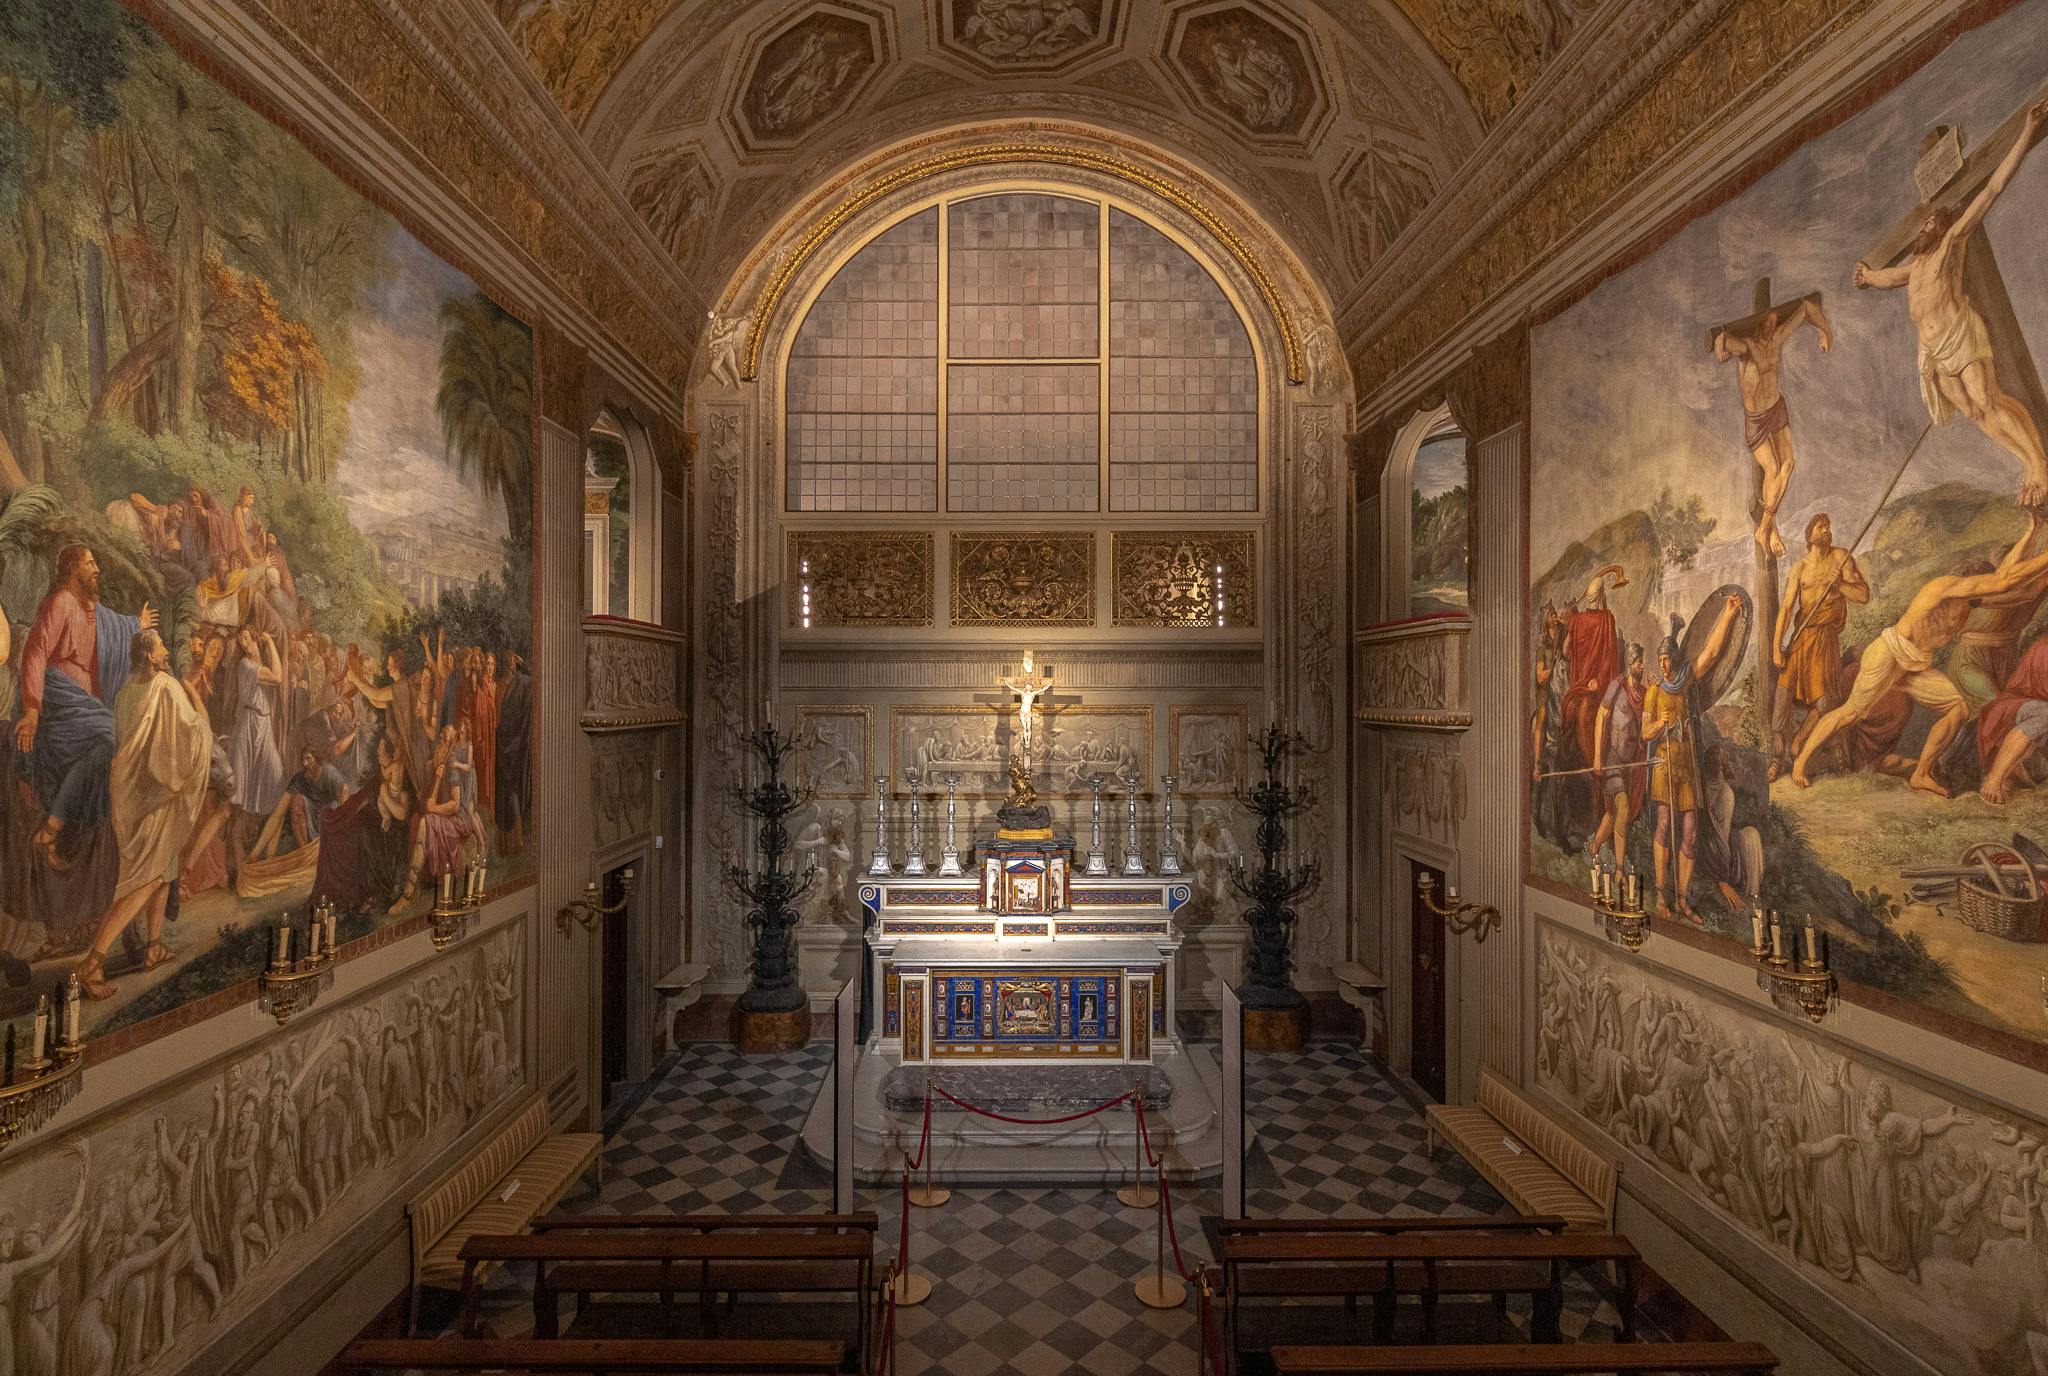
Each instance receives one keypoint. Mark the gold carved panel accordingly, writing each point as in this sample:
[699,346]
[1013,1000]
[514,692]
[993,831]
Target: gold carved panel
[1169,577]
[860,578]
[1035,578]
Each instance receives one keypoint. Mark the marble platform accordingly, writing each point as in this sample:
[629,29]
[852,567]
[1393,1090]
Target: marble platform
[1184,1091]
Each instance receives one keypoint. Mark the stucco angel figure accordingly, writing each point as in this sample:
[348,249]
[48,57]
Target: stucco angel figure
[722,348]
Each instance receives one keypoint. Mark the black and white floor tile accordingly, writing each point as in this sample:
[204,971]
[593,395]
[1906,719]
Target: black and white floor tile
[1038,1281]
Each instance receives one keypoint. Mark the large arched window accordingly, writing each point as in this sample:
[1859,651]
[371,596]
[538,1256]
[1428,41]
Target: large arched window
[1022,352]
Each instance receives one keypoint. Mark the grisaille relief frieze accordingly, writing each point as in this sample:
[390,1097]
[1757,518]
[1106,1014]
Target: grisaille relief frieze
[1170,577]
[134,1244]
[1927,1218]
[621,788]
[632,676]
[859,578]
[1025,579]
[1414,676]
[1428,789]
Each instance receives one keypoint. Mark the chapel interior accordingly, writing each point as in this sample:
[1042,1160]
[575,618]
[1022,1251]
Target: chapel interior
[1023,686]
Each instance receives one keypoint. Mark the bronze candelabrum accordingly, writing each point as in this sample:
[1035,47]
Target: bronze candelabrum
[1273,888]
[773,891]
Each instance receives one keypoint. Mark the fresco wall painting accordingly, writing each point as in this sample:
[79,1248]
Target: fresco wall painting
[1787,554]
[265,538]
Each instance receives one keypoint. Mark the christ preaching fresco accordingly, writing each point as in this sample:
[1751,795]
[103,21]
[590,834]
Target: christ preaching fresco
[265,537]
[1788,551]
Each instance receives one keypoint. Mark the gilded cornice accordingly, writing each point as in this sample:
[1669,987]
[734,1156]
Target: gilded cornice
[389,77]
[1745,47]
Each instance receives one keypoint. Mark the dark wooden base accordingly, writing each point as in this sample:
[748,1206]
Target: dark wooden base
[1276,1029]
[764,1034]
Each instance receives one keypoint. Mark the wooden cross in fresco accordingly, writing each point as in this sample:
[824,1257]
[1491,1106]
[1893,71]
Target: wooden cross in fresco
[1760,307]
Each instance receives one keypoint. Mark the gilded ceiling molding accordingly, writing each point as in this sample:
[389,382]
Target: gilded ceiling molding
[1010,154]
[1745,51]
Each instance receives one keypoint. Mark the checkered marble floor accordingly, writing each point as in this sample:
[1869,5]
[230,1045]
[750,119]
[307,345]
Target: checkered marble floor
[1028,1280]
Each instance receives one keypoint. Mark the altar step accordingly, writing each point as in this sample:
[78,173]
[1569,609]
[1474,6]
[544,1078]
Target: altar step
[973,1150]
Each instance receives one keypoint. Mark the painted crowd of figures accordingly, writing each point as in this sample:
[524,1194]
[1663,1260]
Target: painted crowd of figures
[242,749]
[195,1206]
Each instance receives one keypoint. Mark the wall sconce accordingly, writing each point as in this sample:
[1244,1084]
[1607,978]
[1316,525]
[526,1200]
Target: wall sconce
[290,986]
[448,919]
[1618,902]
[1476,918]
[589,908]
[1807,985]
[52,1074]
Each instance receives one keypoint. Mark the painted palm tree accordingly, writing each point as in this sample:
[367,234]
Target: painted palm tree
[485,401]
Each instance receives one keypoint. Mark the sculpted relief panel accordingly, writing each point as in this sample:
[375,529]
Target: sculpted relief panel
[1257,74]
[805,75]
[1414,677]
[127,1248]
[1027,35]
[1927,1218]
[1023,580]
[630,678]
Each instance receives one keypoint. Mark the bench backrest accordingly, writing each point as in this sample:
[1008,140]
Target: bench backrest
[584,1355]
[435,1211]
[1574,1160]
[1518,1359]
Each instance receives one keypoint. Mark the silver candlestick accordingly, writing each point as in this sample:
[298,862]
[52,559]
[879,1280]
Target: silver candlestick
[1169,853]
[1098,863]
[949,858]
[914,862]
[879,864]
[1134,863]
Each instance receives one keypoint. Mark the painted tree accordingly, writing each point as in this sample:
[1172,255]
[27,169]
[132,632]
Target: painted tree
[485,401]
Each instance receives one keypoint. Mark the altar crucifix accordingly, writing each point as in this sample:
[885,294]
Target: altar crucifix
[1028,688]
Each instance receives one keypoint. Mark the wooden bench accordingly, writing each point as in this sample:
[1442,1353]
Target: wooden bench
[1529,1263]
[1522,1359]
[672,1263]
[472,1200]
[589,1356]
[1537,1165]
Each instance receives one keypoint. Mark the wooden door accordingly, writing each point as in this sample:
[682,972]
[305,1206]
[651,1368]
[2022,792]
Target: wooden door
[1426,985]
[618,962]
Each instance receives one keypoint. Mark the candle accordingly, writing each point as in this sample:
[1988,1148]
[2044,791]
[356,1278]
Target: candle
[39,1040]
[1635,891]
[71,998]
[1812,943]
[1756,926]
[281,954]
[1596,883]
[1451,892]
[447,890]
[1777,939]
[313,939]
[769,704]
[330,923]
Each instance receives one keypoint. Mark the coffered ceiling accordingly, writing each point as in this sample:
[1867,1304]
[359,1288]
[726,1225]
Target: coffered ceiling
[1339,119]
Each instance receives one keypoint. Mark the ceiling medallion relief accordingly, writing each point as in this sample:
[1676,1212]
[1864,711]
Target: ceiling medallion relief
[1253,68]
[1027,579]
[860,578]
[806,74]
[1381,188]
[1005,37]
[1170,577]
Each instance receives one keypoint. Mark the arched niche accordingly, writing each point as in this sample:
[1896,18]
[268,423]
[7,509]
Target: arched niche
[621,520]
[1426,520]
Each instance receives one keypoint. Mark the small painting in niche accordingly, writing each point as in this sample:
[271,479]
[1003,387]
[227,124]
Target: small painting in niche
[1438,527]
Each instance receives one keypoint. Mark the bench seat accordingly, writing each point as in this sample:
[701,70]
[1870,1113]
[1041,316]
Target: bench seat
[1553,1172]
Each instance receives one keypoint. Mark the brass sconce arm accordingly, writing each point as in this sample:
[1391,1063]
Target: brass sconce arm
[1460,917]
[589,908]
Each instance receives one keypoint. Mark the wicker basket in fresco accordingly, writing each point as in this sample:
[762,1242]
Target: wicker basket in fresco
[1996,905]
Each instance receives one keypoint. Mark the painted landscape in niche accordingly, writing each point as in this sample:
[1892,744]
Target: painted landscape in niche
[1792,457]
[265,537]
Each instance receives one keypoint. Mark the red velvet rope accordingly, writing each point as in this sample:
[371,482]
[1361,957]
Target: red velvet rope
[1212,1341]
[1145,1135]
[888,1328]
[1031,1122]
[903,1236]
[924,1137]
[1166,1206]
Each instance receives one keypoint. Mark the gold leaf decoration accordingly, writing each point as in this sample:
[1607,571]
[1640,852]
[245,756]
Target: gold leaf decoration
[1169,578]
[860,578]
[1026,579]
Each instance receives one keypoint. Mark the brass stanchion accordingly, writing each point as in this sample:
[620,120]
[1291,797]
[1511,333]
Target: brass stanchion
[928,1195]
[1137,1194]
[1160,1290]
[910,1287]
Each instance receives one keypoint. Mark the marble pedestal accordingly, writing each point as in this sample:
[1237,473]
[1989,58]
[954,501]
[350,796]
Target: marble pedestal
[971,1150]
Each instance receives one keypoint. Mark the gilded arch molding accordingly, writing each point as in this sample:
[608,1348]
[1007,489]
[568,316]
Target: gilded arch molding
[1007,154]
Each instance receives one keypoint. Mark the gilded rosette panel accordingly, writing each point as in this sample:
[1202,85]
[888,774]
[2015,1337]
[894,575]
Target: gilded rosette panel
[860,578]
[1169,577]
[1029,579]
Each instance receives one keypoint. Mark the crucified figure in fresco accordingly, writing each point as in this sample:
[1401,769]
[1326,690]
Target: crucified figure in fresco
[1757,344]
[1958,363]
